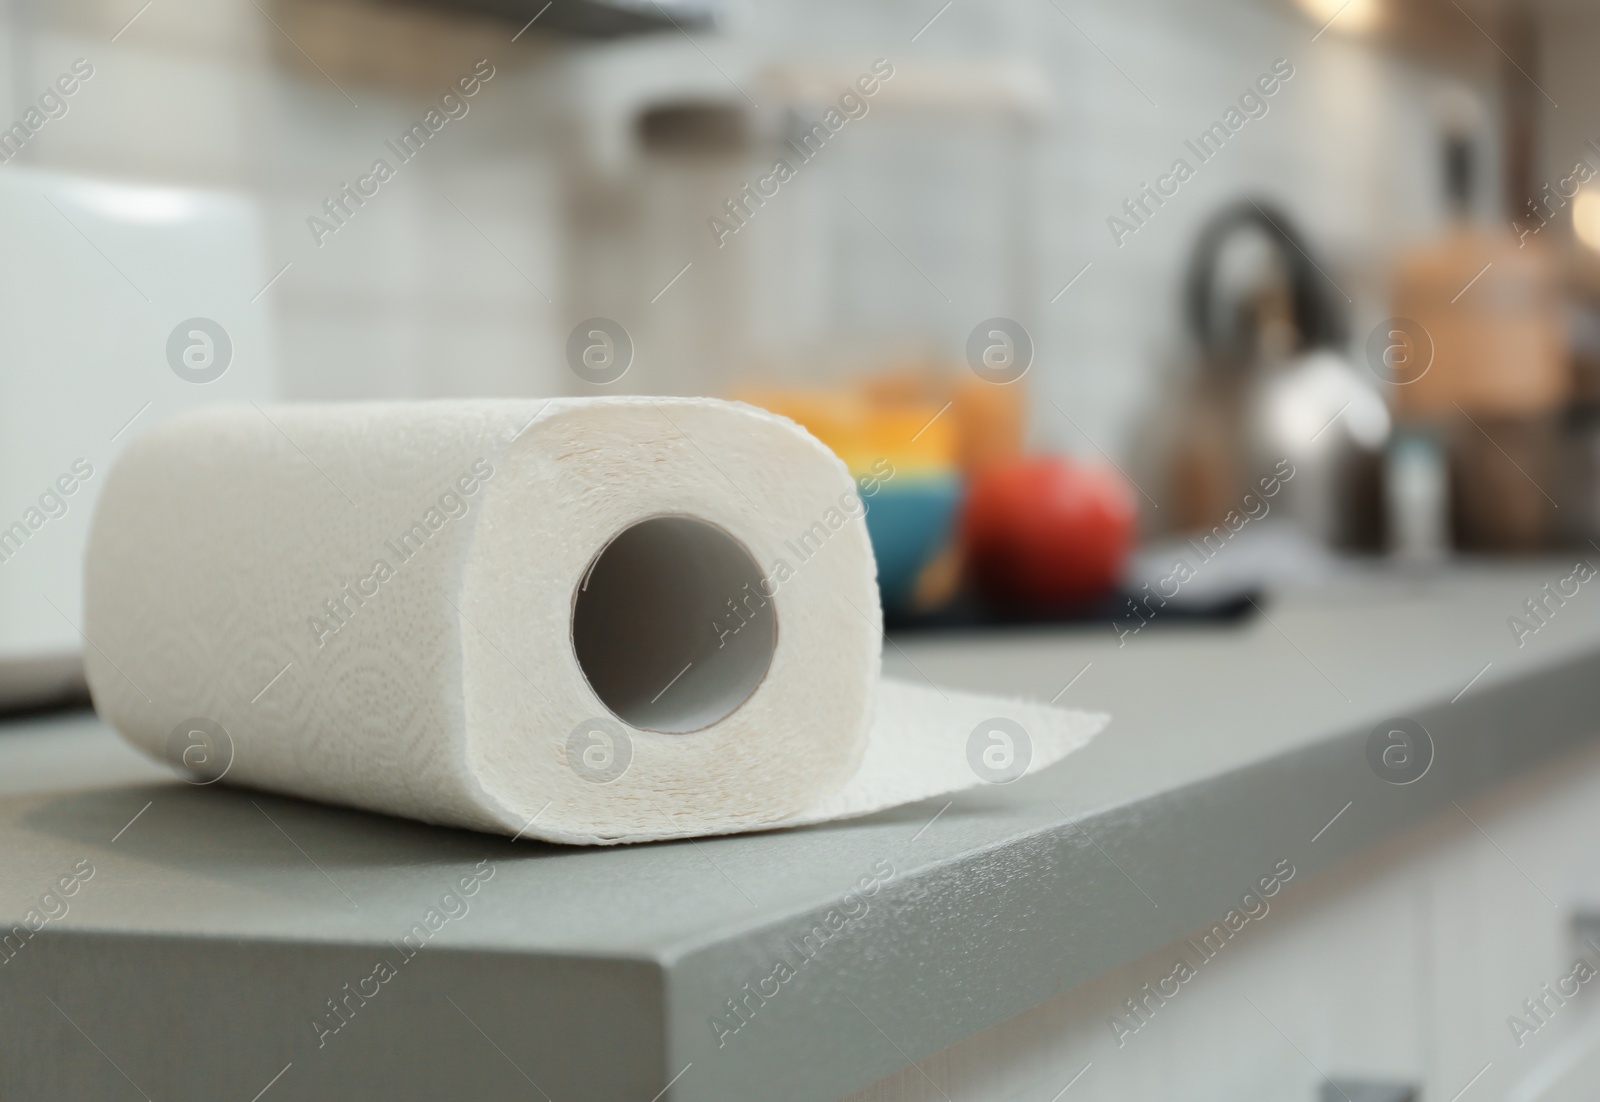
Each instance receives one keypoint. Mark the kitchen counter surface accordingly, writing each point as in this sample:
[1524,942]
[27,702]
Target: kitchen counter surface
[199,955]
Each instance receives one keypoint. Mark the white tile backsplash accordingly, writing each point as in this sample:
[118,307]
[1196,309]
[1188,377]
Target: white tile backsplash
[410,299]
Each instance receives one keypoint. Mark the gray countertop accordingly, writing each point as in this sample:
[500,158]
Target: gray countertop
[200,957]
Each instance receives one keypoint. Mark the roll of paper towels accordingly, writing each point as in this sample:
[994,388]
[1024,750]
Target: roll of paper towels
[590,620]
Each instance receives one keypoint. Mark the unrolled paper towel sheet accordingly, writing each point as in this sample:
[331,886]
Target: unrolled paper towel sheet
[583,620]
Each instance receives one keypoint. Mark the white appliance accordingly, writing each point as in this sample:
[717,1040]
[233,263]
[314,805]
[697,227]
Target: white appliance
[120,305]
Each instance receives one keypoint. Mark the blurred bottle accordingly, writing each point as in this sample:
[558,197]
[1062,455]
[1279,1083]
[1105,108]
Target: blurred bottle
[1580,492]
[1489,372]
[1417,481]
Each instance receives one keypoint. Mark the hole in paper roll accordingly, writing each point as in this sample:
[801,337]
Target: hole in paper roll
[671,625]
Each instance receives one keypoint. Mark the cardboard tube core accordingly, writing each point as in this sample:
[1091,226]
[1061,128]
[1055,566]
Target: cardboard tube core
[671,625]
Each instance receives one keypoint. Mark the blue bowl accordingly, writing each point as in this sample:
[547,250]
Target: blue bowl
[910,522]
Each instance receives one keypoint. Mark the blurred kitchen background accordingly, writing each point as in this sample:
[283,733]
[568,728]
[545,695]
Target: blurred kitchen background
[1058,364]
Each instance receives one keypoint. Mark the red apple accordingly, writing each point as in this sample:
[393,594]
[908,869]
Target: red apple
[1046,530]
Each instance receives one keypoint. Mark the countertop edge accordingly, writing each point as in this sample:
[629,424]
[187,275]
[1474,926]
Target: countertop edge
[1017,922]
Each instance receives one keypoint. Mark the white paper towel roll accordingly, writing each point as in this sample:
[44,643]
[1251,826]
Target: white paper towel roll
[584,620]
